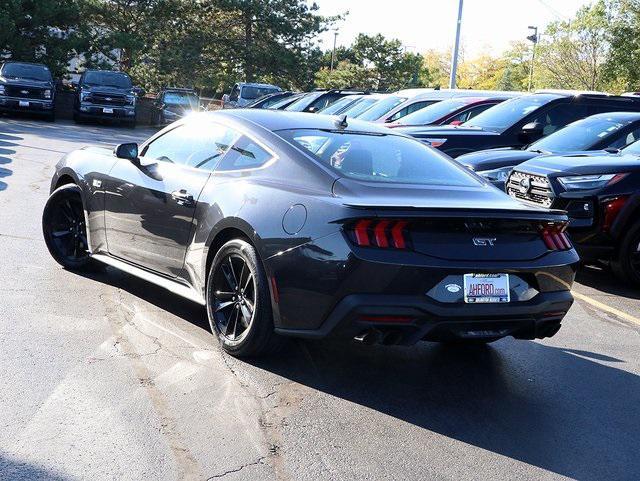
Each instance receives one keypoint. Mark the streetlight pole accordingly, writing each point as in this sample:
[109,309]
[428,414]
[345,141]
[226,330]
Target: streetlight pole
[333,52]
[456,47]
[533,38]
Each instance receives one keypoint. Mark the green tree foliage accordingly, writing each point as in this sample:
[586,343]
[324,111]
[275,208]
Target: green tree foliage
[40,31]
[622,68]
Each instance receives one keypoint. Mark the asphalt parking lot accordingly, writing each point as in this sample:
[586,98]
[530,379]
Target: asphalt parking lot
[107,377]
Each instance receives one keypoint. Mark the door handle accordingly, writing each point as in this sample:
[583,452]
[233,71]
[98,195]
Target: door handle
[182,197]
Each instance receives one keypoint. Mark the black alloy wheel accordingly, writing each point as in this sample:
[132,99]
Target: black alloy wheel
[238,301]
[64,229]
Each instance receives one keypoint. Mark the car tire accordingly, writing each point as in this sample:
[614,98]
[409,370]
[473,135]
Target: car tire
[626,265]
[239,302]
[64,229]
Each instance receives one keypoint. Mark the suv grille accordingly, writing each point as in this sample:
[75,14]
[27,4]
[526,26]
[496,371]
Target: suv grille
[107,99]
[530,188]
[24,92]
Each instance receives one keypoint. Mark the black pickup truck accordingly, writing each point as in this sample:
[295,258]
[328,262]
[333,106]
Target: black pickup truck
[27,87]
[105,94]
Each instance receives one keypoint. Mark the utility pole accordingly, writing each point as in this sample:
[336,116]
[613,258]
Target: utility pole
[532,38]
[333,52]
[456,47]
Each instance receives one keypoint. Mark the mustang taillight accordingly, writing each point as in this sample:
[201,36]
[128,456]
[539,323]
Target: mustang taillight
[385,233]
[555,237]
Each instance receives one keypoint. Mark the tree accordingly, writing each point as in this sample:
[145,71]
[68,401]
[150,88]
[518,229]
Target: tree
[40,31]
[622,68]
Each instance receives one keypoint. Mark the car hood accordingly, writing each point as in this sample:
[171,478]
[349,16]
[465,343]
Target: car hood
[582,164]
[376,195]
[495,158]
[26,82]
[444,131]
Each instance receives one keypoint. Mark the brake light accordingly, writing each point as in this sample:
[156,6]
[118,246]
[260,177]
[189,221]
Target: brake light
[611,210]
[385,233]
[555,237]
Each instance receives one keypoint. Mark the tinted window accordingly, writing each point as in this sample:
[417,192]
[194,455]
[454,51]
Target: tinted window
[580,135]
[324,101]
[303,102]
[434,112]
[339,105]
[502,116]
[286,101]
[382,107]
[414,107]
[26,71]
[250,92]
[632,149]
[244,154]
[235,92]
[200,145]
[361,106]
[107,79]
[379,157]
[625,140]
[181,98]
[560,115]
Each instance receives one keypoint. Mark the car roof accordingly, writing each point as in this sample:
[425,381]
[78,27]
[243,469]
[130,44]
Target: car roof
[286,120]
[622,116]
[256,84]
[107,71]
[38,64]
[422,94]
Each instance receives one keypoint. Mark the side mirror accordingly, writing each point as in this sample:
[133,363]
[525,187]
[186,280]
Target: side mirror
[532,131]
[127,151]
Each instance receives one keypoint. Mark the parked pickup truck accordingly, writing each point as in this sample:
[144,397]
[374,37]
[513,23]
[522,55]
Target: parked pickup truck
[27,87]
[105,94]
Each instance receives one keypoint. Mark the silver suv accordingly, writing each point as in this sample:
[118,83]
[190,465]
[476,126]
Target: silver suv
[243,94]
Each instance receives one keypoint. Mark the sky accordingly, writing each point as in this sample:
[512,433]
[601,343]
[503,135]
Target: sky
[487,25]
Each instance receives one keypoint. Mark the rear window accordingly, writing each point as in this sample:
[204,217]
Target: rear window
[26,71]
[504,115]
[382,107]
[304,101]
[383,158]
[107,79]
[580,135]
[434,112]
[251,93]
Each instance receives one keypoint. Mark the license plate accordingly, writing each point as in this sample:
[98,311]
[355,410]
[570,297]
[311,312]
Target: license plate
[486,288]
[23,103]
[107,111]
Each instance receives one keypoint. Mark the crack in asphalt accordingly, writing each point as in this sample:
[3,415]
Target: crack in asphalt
[221,475]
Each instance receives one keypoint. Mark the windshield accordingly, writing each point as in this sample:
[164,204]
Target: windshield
[304,101]
[504,115]
[433,112]
[26,71]
[107,79]
[251,93]
[281,103]
[383,158]
[361,106]
[338,106]
[181,98]
[580,135]
[382,107]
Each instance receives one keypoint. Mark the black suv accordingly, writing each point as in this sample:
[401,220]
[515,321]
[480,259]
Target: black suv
[105,94]
[601,194]
[520,121]
[611,131]
[172,104]
[27,87]
[319,99]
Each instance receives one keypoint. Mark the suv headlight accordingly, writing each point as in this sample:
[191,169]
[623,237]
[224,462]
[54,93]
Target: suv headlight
[47,94]
[84,95]
[496,175]
[2,90]
[589,182]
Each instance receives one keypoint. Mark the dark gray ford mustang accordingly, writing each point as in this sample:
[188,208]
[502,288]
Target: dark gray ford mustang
[292,224]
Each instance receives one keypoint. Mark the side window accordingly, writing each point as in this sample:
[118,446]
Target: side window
[560,115]
[626,139]
[410,109]
[244,154]
[235,92]
[199,145]
[472,112]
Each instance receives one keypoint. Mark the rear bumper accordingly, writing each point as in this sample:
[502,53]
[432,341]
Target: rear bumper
[412,319]
[10,104]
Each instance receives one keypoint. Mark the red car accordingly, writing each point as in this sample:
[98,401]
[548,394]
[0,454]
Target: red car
[451,111]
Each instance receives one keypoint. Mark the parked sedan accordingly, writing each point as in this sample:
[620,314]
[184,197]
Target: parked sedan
[601,193]
[520,121]
[287,224]
[454,111]
[27,87]
[612,130]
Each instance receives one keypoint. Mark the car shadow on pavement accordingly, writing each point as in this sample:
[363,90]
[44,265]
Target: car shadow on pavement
[569,411]
[603,280]
[6,141]
[15,470]
[549,407]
